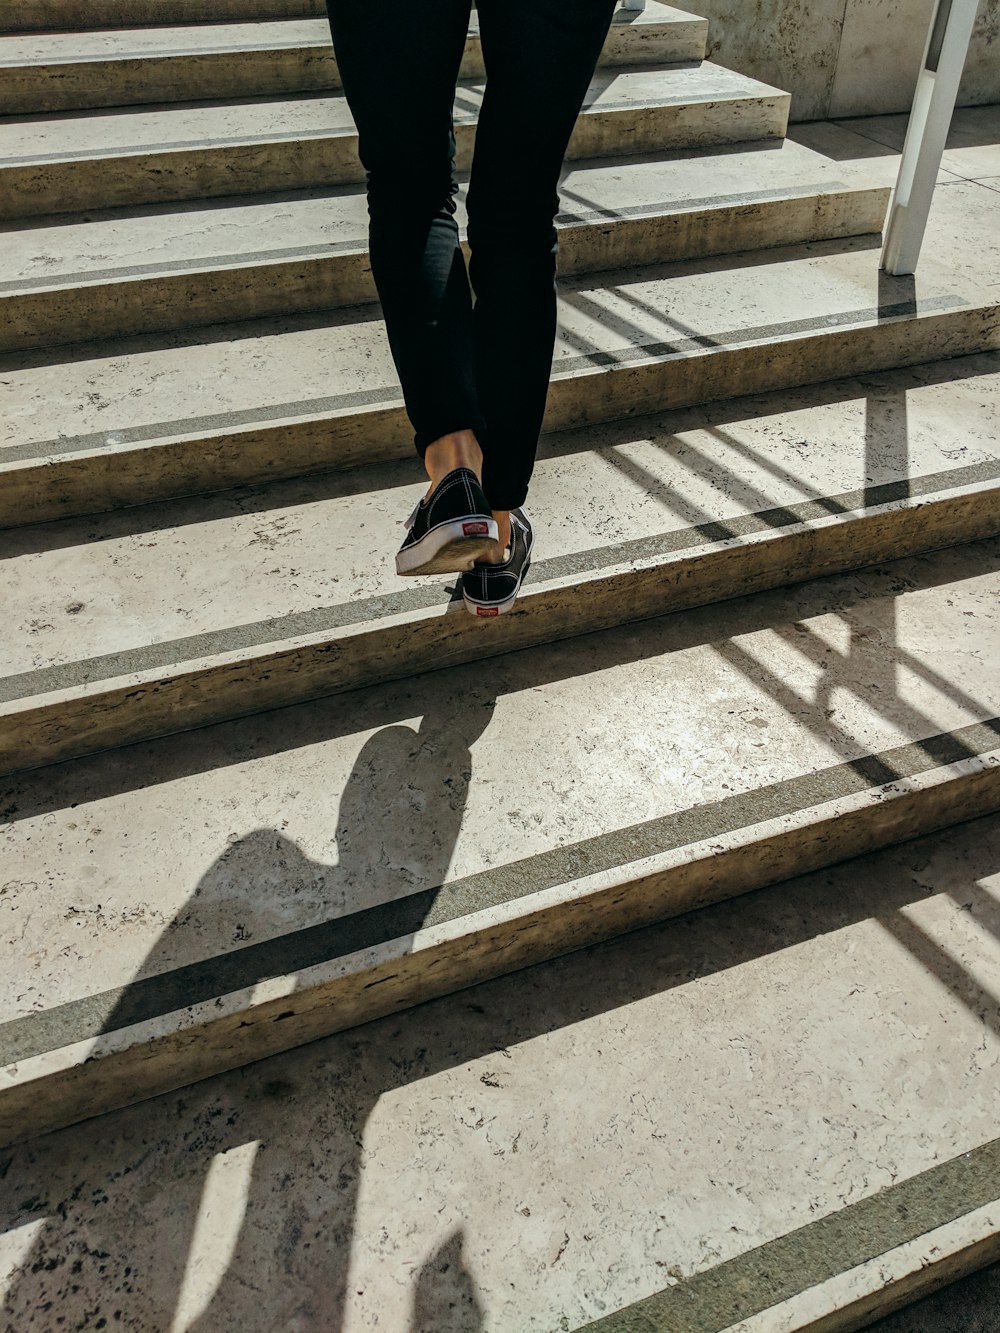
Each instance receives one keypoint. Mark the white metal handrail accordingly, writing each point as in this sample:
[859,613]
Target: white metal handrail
[927,132]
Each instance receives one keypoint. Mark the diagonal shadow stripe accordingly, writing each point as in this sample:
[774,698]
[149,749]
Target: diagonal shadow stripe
[152,997]
[563,367]
[171,654]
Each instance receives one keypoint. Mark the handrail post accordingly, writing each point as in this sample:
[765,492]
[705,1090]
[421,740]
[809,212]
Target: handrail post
[927,132]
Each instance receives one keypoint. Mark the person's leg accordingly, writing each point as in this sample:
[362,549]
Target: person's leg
[540,56]
[399,63]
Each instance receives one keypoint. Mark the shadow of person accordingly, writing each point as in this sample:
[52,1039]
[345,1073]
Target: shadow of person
[445,1299]
[398,821]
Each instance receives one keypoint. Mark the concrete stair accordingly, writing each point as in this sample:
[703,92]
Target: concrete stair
[112,425]
[775,735]
[125,627]
[70,163]
[200,264]
[744,1119]
[759,637]
[69,71]
[86,15]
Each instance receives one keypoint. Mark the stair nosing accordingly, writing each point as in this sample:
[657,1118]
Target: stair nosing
[677,22]
[235,263]
[749,91]
[360,617]
[565,371]
[878,792]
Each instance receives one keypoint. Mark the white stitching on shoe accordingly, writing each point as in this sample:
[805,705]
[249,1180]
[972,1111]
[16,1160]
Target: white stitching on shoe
[448,485]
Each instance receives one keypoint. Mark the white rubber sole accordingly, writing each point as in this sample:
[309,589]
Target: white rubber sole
[451,547]
[489,610]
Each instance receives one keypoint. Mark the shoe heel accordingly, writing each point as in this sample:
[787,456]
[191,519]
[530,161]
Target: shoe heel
[449,549]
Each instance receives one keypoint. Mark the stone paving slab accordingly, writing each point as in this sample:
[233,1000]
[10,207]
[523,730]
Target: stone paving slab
[971,151]
[717,1108]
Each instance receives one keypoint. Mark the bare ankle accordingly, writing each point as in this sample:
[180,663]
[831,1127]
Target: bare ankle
[458,449]
[502,517]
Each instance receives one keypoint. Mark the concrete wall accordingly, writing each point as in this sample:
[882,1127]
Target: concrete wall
[843,57]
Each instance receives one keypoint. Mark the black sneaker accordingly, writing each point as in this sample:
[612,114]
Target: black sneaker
[450,530]
[490,590]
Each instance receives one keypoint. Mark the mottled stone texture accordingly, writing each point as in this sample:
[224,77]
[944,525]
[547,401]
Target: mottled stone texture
[971,1306]
[883,45]
[843,57]
[676,1110]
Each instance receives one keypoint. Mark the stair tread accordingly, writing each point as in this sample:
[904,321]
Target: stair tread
[85,15]
[785,1062]
[132,596]
[315,223]
[31,139]
[209,38]
[183,39]
[759,717]
[108,397]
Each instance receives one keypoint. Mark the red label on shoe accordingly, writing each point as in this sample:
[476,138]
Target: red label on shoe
[487,610]
[476,529]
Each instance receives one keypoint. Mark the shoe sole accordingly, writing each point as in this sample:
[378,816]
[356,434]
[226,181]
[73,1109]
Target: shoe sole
[487,610]
[450,548]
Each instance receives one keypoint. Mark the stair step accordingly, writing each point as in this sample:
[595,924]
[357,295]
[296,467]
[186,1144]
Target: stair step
[776,734]
[180,268]
[179,615]
[783,1061]
[67,15]
[968,1293]
[69,163]
[70,71]
[140,420]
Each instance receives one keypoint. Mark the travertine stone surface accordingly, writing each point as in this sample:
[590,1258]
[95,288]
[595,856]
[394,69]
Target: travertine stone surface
[972,150]
[791,43]
[171,415]
[180,266]
[128,627]
[44,15]
[849,146]
[881,50]
[748,761]
[67,163]
[65,71]
[683,1105]
[842,1271]
[601,498]
[973,1299]
[879,56]
[843,57]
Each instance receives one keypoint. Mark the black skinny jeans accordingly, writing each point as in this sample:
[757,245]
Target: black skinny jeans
[485,367]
